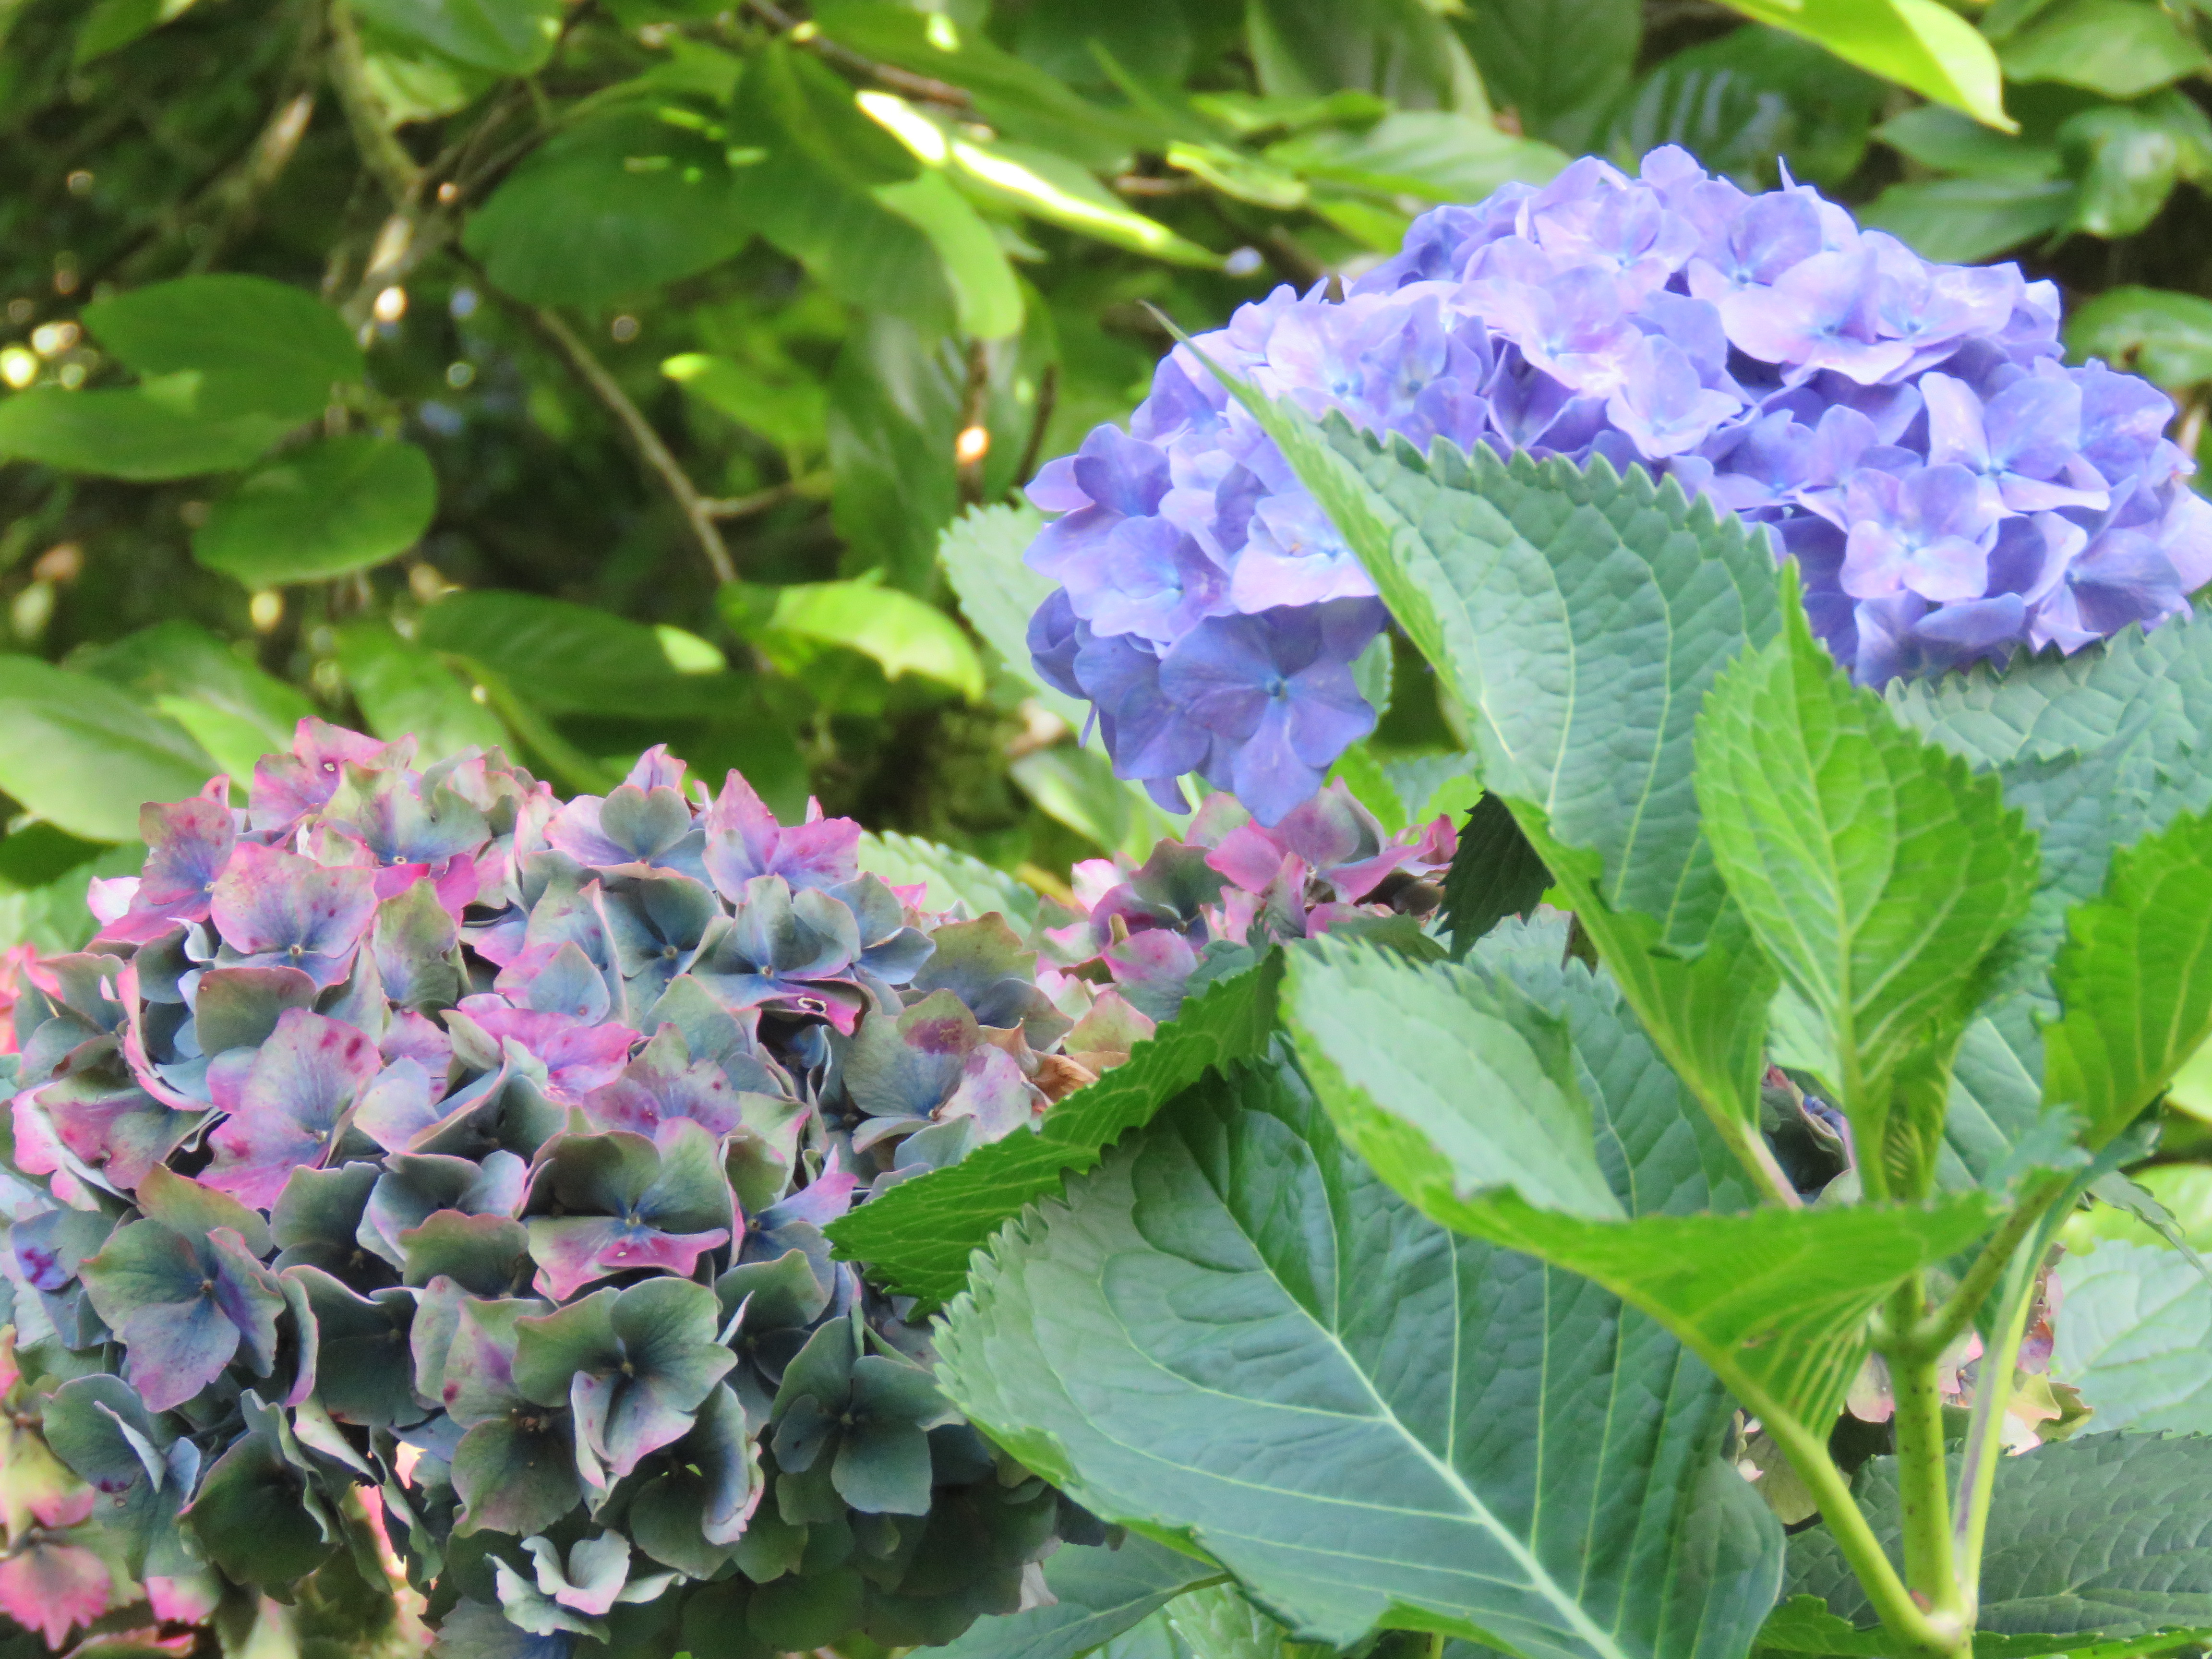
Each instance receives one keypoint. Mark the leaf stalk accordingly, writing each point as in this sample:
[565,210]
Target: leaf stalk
[1929,1336]
[1893,1603]
[1993,1392]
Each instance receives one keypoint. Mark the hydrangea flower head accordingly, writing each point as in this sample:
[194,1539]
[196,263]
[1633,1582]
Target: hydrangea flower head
[1951,489]
[407,1109]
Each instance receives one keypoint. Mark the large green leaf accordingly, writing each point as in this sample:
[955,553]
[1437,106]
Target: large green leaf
[328,510]
[257,347]
[1558,63]
[1580,619]
[917,1236]
[1099,1593]
[1743,102]
[1964,220]
[2132,1332]
[1919,44]
[1444,1436]
[1658,1152]
[1400,50]
[2134,980]
[986,298]
[1077,786]
[1219,1621]
[111,25]
[190,674]
[2122,48]
[1430,156]
[1494,874]
[2110,1533]
[1485,1126]
[574,659]
[1996,1109]
[83,756]
[2097,749]
[1877,873]
[404,690]
[622,202]
[2129,156]
[896,393]
[132,433]
[1011,94]
[814,194]
[900,633]
[505,37]
[1945,141]
[2159,334]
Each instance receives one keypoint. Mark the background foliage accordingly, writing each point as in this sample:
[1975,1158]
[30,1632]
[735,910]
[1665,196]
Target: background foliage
[628,357]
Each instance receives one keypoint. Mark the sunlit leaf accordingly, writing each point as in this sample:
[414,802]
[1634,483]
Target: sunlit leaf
[1919,44]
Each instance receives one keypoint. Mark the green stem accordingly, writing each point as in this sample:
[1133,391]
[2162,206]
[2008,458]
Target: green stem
[1847,1523]
[382,152]
[1923,1480]
[1993,1388]
[1932,1335]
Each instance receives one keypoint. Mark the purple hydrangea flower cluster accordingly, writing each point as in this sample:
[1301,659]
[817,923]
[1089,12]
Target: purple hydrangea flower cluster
[1951,489]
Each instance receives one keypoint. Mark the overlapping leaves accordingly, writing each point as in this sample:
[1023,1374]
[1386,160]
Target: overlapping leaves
[1401,1465]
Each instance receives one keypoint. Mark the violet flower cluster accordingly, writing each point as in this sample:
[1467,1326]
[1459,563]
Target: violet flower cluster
[1907,431]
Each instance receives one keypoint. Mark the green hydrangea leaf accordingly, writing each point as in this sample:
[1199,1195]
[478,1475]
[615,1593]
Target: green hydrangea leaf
[1775,1300]
[2103,1535]
[1098,1594]
[2133,1337]
[949,878]
[2134,980]
[1384,1467]
[259,347]
[1494,874]
[1580,617]
[1876,872]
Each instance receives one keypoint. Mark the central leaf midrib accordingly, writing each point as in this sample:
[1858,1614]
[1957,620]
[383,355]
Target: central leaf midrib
[1540,1579]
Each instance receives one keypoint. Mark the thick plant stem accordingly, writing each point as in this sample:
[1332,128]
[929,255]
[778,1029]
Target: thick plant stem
[1923,1480]
[1877,1574]
[1993,1387]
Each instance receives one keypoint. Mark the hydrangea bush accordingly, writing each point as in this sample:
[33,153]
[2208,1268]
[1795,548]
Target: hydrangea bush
[1951,491]
[411,1133]
[1524,1298]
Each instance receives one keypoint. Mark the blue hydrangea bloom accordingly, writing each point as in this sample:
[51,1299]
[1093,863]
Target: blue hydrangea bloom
[1950,487]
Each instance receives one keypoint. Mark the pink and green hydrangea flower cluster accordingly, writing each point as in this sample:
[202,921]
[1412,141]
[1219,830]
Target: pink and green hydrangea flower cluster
[1951,490]
[411,1130]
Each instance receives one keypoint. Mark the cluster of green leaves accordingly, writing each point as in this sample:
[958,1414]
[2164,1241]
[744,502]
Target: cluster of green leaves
[582,377]
[585,376]
[1432,1315]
